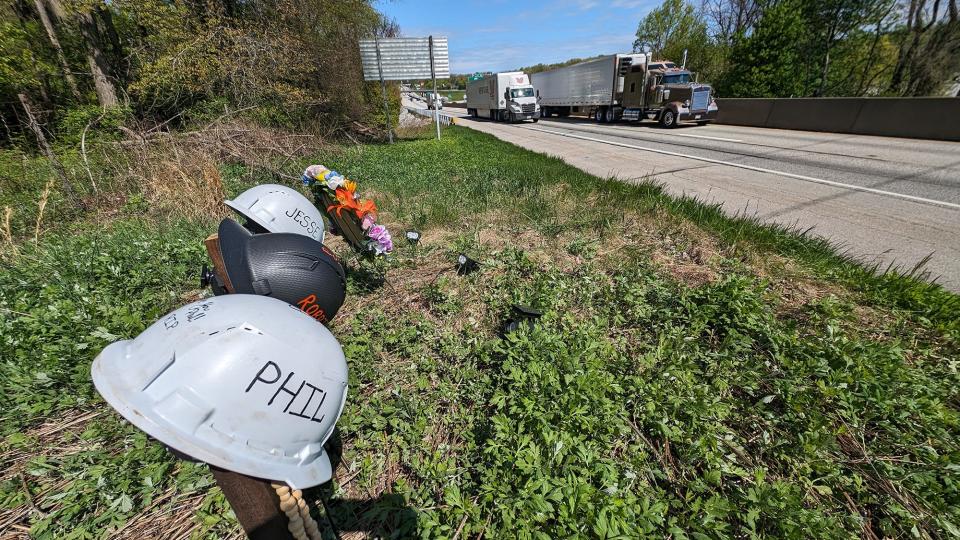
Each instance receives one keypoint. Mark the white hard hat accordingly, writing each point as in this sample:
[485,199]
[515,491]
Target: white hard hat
[279,209]
[244,382]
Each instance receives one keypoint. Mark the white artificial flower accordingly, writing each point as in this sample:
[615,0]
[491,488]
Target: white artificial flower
[335,181]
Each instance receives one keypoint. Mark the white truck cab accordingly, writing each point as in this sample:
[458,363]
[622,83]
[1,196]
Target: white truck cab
[508,97]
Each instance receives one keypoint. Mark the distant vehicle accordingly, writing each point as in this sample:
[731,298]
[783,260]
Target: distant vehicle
[434,101]
[628,87]
[508,97]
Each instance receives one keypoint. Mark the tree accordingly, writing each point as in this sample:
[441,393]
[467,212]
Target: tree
[670,29]
[55,42]
[770,62]
[94,25]
[730,18]
[831,23]
[929,50]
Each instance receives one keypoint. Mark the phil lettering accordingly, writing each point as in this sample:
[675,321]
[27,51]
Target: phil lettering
[270,374]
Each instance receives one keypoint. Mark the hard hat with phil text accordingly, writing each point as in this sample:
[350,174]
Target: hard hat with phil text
[246,383]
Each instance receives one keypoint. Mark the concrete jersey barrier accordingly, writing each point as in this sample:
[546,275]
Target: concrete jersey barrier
[917,118]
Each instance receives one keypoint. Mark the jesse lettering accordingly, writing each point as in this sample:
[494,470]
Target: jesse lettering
[304,220]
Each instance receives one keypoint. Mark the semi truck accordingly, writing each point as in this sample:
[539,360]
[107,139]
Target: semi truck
[625,87]
[507,97]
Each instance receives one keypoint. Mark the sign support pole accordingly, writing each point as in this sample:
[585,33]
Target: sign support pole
[436,104]
[383,89]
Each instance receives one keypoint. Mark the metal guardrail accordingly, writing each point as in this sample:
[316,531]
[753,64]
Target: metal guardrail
[445,119]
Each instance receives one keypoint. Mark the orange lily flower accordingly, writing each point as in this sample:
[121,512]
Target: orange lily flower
[346,200]
[366,206]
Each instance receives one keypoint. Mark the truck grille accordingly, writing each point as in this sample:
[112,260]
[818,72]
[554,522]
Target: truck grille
[528,108]
[701,99]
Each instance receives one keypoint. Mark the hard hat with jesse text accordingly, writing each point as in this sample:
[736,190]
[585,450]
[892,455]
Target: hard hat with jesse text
[275,208]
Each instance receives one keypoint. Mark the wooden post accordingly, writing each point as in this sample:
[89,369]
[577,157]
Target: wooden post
[212,244]
[345,222]
[255,503]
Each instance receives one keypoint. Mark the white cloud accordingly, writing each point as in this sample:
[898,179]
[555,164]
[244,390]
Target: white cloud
[502,56]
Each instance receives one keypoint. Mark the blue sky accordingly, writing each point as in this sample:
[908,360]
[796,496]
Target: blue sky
[498,35]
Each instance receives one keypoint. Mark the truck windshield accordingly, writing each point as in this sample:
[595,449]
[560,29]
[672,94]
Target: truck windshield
[521,92]
[677,78]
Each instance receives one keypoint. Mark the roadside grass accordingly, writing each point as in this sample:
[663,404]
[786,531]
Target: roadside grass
[454,95]
[693,375]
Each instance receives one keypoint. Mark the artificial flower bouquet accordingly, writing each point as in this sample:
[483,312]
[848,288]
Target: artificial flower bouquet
[354,218]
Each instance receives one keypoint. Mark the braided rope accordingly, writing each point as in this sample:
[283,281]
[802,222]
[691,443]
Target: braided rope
[299,521]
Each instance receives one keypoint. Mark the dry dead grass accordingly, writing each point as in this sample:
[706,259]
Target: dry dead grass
[54,439]
[179,174]
[170,516]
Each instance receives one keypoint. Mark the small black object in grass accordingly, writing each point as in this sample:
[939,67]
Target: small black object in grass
[413,237]
[466,265]
[519,316]
[206,277]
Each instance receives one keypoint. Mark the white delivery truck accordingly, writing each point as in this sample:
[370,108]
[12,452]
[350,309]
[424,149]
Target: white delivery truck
[625,86]
[507,97]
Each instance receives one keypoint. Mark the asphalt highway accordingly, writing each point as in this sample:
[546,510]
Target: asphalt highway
[883,200]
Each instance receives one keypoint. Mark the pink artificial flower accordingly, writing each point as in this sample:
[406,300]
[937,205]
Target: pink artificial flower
[380,235]
[368,221]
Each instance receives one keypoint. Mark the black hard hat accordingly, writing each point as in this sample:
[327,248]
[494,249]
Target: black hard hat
[290,267]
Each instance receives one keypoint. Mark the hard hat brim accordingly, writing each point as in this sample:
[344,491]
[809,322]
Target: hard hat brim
[135,406]
[249,215]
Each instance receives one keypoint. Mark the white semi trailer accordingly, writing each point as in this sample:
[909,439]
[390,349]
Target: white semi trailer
[625,86]
[507,97]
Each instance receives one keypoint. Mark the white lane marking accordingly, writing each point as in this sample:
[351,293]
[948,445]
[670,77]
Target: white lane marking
[759,169]
[724,139]
[630,130]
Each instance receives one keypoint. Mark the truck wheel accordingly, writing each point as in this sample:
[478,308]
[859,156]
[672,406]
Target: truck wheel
[598,115]
[504,116]
[668,118]
[544,112]
[610,116]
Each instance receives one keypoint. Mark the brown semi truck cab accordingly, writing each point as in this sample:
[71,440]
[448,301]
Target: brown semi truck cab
[662,91]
